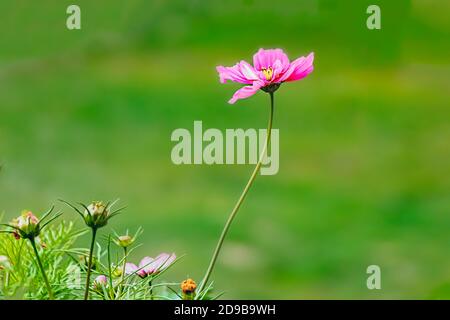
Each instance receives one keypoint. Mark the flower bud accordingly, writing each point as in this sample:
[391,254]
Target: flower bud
[100,282]
[124,241]
[96,215]
[96,208]
[27,225]
[188,288]
[116,271]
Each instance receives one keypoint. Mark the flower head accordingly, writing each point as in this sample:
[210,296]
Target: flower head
[270,69]
[188,288]
[150,266]
[116,270]
[126,240]
[100,281]
[29,226]
[96,214]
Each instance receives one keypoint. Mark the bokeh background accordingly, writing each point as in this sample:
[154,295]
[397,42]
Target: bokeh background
[364,163]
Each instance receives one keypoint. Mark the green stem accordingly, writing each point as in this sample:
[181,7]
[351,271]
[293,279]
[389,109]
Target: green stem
[122,280]
[151,289]
[111,288]
[41,267]
[240,201]
[88,276]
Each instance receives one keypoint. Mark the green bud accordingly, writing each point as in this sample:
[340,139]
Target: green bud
[27,225]
[124,241]
[96,215]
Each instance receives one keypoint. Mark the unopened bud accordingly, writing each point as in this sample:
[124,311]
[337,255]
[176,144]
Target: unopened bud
[124,241]
[27,225]
[188,288]
[96,215]
[100,281]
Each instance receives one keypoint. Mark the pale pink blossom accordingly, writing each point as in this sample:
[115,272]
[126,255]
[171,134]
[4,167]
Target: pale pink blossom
[270,68]
[100,281]
[26,218]
[149,265]
[26,223]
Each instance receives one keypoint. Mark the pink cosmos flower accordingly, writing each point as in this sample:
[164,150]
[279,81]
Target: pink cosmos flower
[148,265]
[270,69]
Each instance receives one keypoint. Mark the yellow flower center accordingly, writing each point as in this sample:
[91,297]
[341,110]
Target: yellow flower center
[268,73]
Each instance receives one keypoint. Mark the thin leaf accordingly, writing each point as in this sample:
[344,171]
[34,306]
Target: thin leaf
[73,207]
[47,213]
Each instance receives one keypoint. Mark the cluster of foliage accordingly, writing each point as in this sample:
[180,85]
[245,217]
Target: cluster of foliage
[41,261]
[20,275]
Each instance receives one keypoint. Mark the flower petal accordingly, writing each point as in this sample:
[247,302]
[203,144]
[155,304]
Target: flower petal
[278,70]
[248,71]
[299,68]
[165,260]
[130,268]
[246,92]
[150,265]
[265,59]
[101,279]
[145,262]
[241,72]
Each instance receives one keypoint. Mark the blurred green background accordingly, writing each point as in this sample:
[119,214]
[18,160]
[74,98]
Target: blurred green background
[364,162]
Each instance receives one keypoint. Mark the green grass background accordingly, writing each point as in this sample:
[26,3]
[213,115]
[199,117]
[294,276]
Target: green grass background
[364,141]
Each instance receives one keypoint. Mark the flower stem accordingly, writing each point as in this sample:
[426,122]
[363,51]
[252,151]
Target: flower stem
[241,199]
[151,289]
[88,276]
[41,267]
[122,280]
